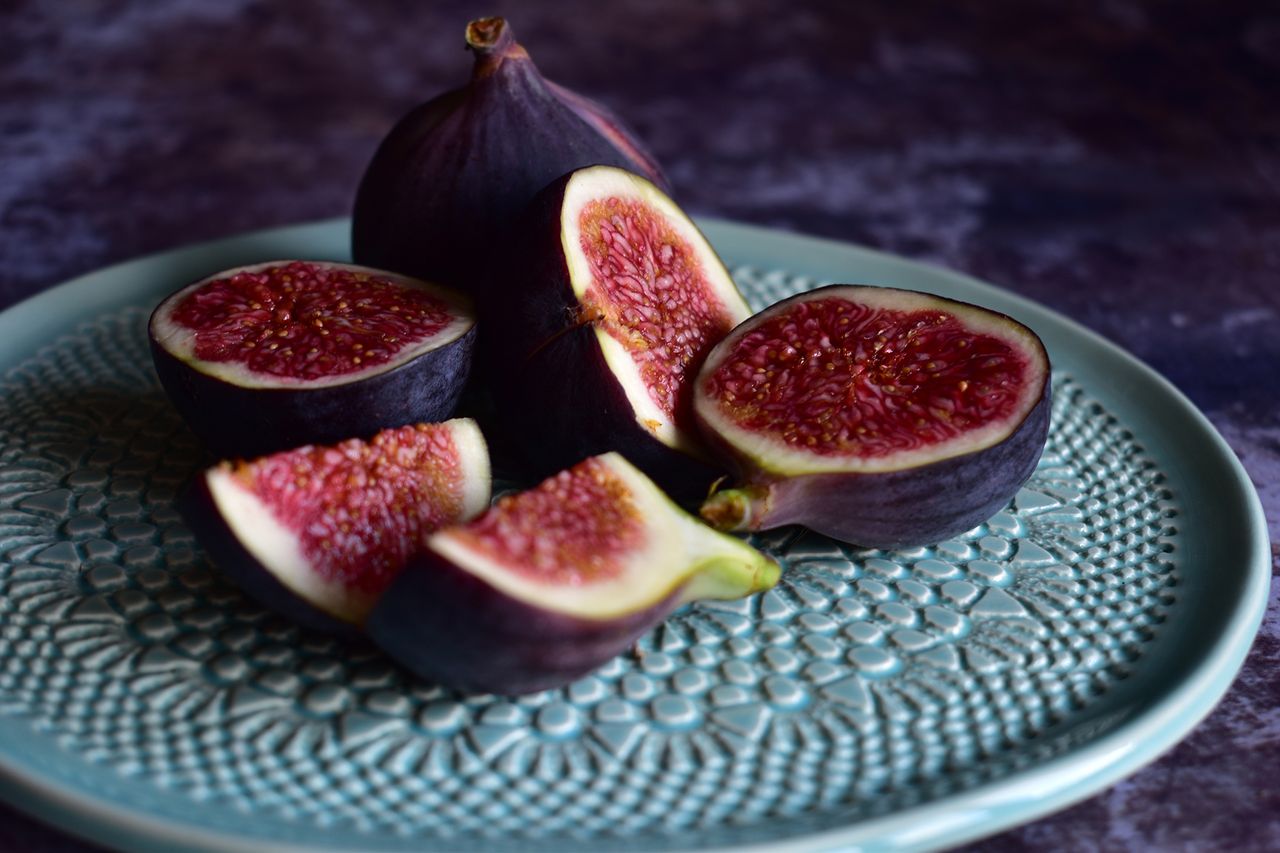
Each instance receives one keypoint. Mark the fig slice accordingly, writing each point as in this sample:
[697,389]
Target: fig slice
[319,532]
[276,355]
[552,582]
[623,297]
[881,417]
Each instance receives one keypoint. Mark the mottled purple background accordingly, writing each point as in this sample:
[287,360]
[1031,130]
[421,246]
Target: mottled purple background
[1118,161]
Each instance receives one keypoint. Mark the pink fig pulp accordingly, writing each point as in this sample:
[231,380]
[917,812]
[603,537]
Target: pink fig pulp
[453,174]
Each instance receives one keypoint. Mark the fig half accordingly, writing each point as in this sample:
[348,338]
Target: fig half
[272,356]
[318,533]
[621,298]
[886,418]
[553,582]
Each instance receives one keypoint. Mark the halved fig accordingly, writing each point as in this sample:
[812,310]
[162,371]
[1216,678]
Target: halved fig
[882,417]
[622,299]
[553,582]
[276,355]
[318,533]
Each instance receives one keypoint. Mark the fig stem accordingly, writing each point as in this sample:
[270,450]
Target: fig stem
[580,318]
[492,42]
[731,509]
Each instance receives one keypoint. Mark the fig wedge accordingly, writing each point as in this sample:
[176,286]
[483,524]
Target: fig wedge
[318,533]
[621,298]
[886,418]
[552,582]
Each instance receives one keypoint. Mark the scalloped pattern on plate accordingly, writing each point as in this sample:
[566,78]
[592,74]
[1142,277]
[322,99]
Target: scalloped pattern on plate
[866,681]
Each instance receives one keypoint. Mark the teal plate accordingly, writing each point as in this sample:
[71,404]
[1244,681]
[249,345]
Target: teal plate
[883,700]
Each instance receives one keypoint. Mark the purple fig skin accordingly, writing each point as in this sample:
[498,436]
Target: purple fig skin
[242,422]
[447,625]
[567,421]
[907,508]
[234,560]
[544,364]
[453,174]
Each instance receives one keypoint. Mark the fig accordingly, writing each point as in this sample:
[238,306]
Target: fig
[319,532]
[620,298]
[881,417]
[553,582]
[272,356]
[454,173]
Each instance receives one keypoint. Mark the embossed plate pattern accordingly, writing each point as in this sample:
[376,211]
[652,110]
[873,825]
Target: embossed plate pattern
[905,699]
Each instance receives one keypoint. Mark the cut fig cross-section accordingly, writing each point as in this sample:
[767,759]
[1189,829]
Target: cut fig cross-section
[882,417]
[623,298]
[273,356]
[553,582]
[319,532]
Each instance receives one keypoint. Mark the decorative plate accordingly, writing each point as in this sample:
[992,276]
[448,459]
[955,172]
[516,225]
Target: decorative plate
[906,699]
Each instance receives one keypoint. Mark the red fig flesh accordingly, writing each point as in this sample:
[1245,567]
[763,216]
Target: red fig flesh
[318,533]
[453,174]
[272,356]
[620,297]
[882,417]
[553,582]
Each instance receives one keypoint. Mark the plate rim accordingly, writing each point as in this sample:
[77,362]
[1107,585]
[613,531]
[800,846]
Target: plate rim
[990,807]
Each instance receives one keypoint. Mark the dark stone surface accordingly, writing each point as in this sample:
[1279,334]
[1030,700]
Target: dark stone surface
[1117,161]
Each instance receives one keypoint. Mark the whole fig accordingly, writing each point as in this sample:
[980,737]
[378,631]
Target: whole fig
[455,172]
